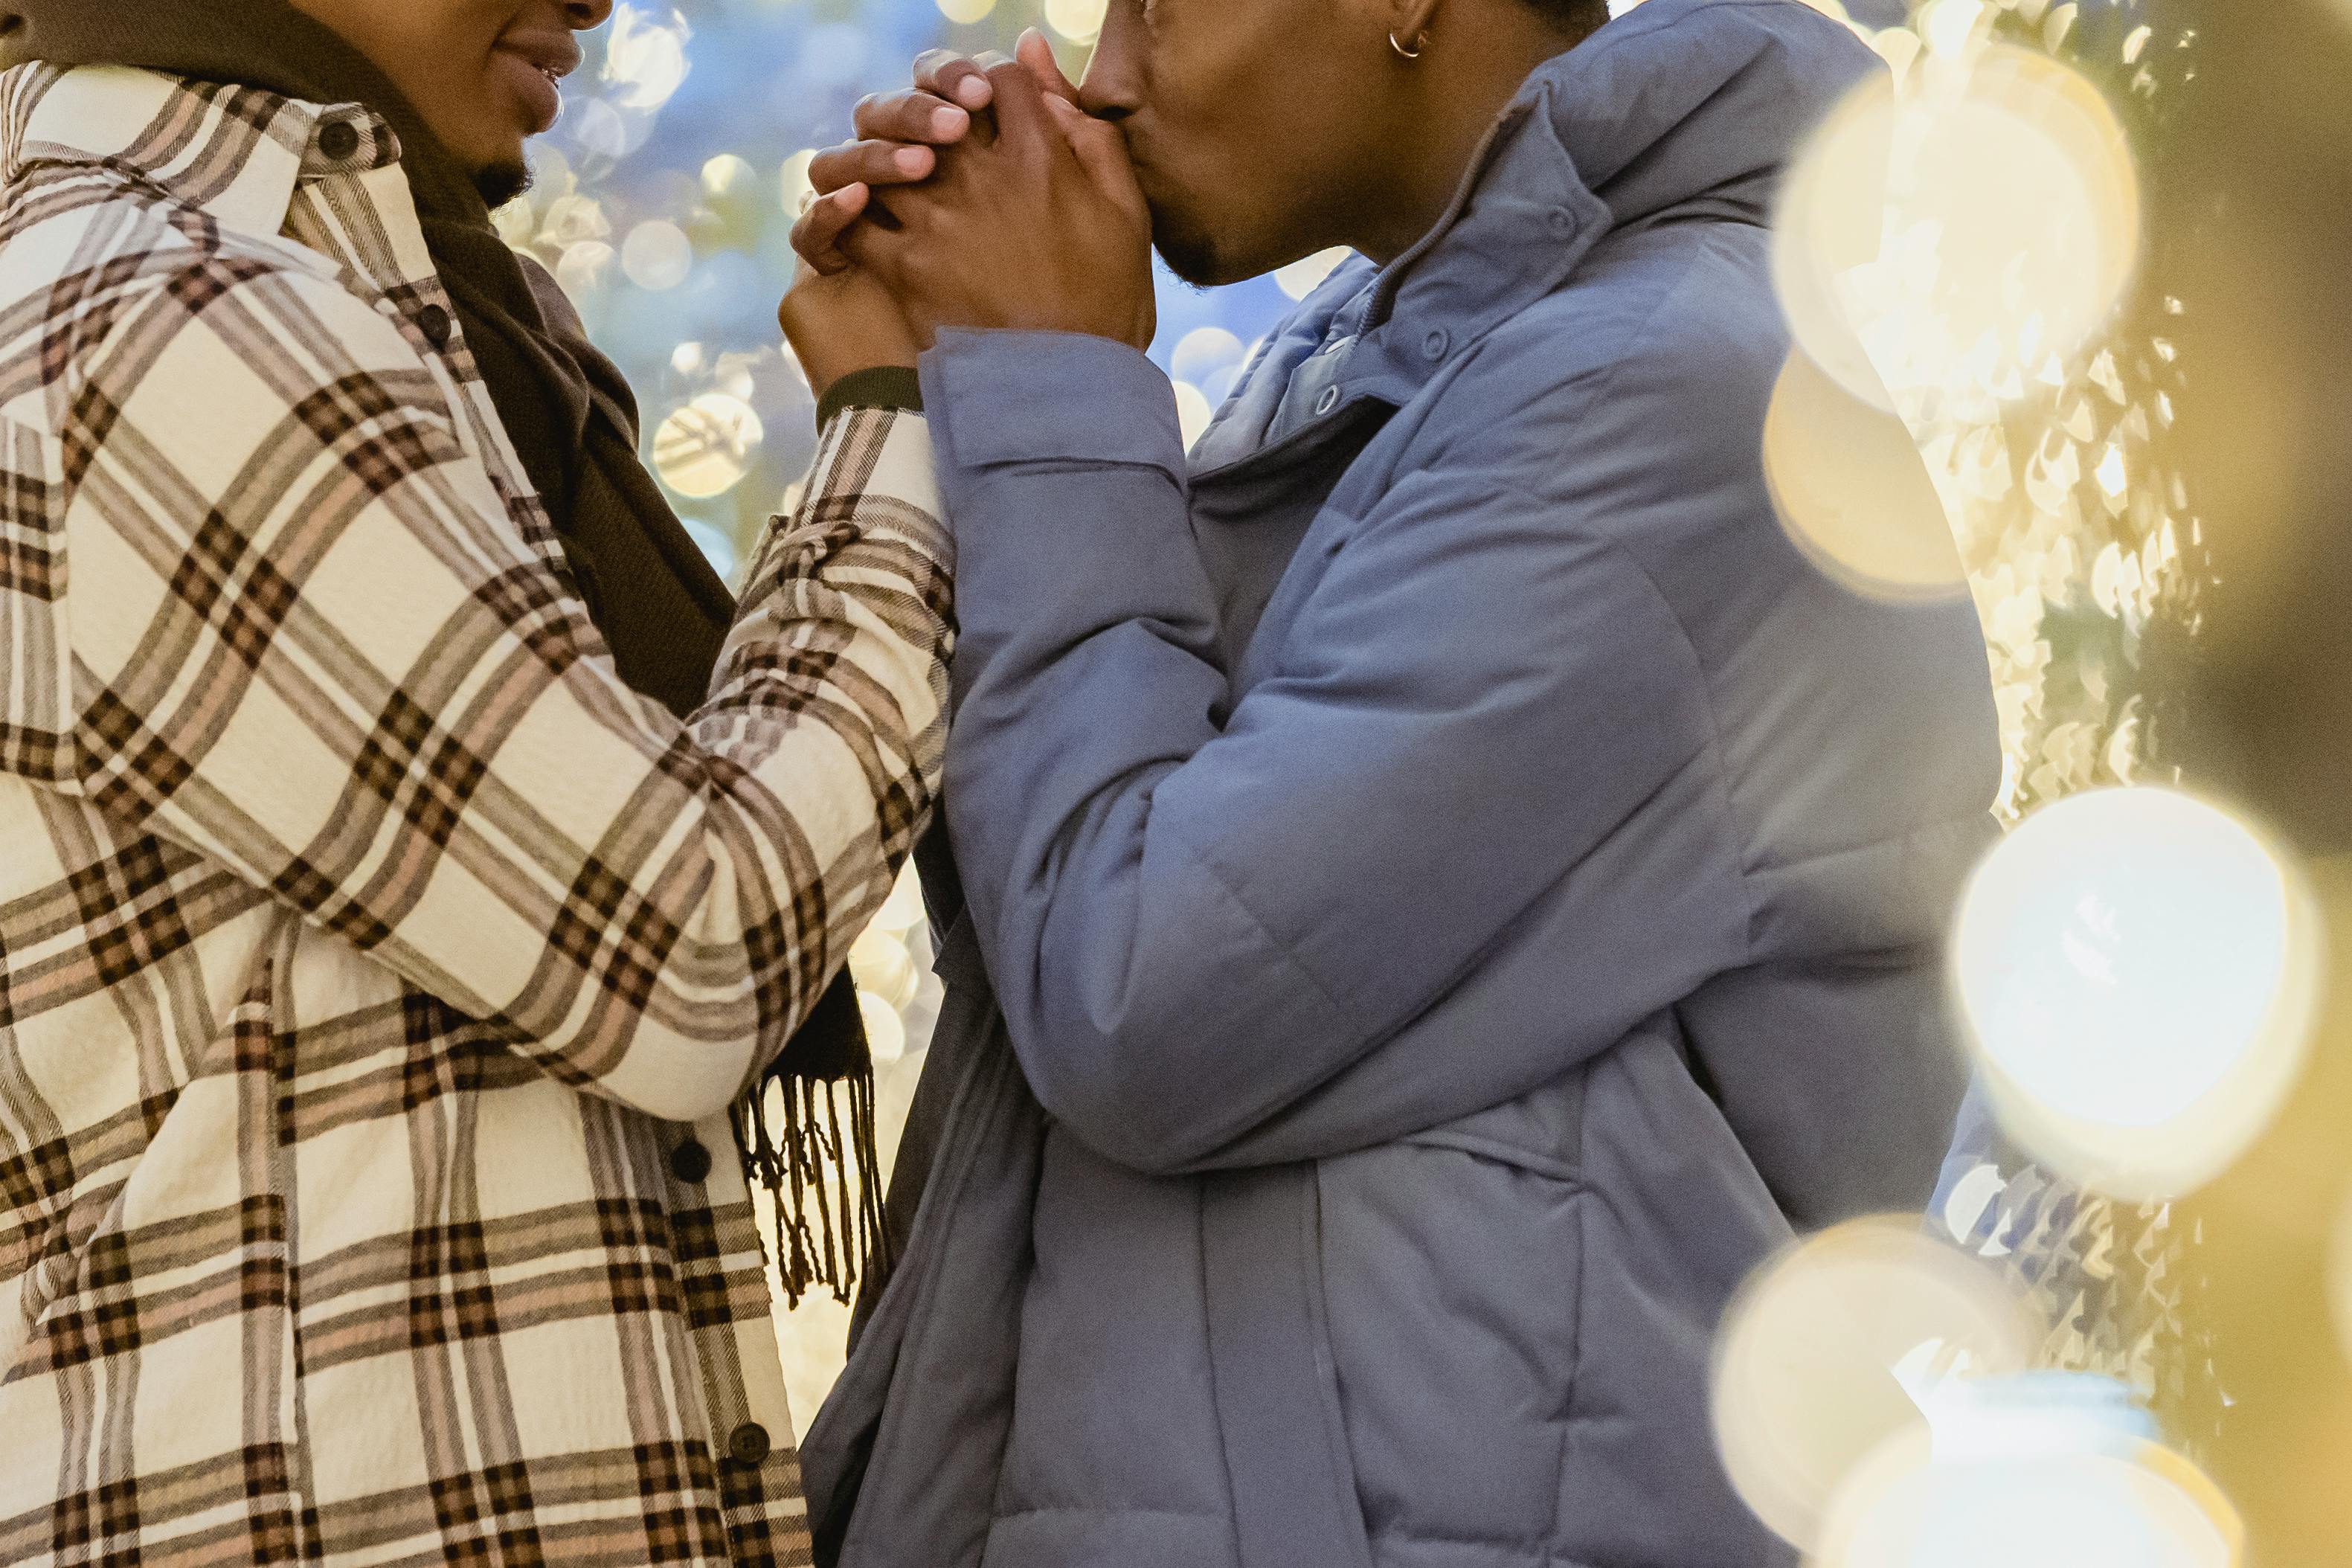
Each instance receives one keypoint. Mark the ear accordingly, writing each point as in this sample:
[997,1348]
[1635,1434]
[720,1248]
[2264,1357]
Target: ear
[1415,25]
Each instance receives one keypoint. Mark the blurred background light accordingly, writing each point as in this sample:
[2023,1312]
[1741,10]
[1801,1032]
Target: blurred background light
[1847,483]
[1829,1350]
[706,448]
[1193,412]
[1976,229]
[657,256]
[1909,1505]
[882,967]
[645,57]
[2139,975]
[1076,20]
[2339,1278]
[1301,279]
[885,1031]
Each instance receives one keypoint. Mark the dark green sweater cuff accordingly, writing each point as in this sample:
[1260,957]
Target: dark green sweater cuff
[885,386]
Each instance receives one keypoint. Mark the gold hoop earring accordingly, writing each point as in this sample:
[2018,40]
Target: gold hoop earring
[1419,44]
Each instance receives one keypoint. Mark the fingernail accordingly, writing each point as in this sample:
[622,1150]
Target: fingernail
[974,92]
[912,160]
[947,124]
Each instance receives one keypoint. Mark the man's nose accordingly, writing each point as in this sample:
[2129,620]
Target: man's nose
[585,15]
[1114,82]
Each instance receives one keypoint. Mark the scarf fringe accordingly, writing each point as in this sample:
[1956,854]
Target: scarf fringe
[825,1179]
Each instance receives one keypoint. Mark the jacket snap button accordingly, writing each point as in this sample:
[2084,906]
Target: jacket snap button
[1563,224]
[1328,401]
[338,140]
[1436,343]
[689,1162]
[747,1444]
[433,322]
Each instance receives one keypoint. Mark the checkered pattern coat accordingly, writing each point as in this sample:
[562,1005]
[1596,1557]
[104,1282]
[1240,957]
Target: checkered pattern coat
[376,968]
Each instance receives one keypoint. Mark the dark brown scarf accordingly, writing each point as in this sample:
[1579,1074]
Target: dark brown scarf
[573,422]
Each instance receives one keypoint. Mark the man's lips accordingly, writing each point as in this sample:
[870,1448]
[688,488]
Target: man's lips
[535,66]
[557,54]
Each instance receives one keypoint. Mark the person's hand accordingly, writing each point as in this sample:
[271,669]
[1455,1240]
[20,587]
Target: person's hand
[1041,229]
[844,323]
[899,138]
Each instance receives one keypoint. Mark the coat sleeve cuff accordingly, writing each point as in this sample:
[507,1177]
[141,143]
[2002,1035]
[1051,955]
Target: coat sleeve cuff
[1005,397]
[885,386]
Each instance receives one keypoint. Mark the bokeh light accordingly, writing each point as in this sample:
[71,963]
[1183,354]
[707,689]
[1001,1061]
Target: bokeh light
[1829,1350]
[2339,1276]
[966,12]
[645,57]
[2139,975]
[586,268]
[1848,488]
[1076,20]
[797,189]
[1301,279]
[1912,1504]
[657,256]
[903,910]
[726,176]
[1977,229]
[707,447]
[1193,413]
[885,1031]
[883,968]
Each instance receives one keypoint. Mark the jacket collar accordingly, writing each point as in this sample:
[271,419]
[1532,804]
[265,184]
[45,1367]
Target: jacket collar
[1679,108]
[238,155]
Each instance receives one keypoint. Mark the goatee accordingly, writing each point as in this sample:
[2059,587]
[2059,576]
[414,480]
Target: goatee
[503,183]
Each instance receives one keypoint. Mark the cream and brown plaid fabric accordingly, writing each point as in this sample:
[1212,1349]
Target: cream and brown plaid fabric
[376,968]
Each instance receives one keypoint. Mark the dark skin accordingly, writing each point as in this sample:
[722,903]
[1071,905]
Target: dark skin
[1257,131]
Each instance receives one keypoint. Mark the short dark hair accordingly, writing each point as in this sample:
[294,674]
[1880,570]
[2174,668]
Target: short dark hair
[1580,18]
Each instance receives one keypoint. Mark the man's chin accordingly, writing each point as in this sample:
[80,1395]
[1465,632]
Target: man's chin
[502,182]
[1190,252]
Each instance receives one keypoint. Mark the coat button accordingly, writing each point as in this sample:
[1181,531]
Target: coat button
[1328,401]
[747,1444]
[1437,342]
[433,322]
[338,140]
[689,1162]
[1563,223]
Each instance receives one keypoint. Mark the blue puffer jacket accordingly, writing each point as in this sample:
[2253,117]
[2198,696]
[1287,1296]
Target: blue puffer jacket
[1460,886]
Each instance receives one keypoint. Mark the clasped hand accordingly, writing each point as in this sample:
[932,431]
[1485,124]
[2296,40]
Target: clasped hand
[983,198]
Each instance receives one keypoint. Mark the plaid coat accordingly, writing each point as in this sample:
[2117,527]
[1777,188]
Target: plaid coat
[376,967]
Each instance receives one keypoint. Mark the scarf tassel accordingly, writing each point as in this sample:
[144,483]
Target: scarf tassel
[821,1165]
